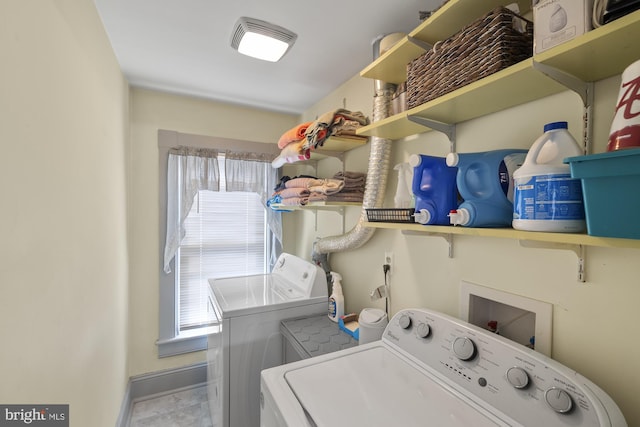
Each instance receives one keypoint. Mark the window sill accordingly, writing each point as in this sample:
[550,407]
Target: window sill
[186,342]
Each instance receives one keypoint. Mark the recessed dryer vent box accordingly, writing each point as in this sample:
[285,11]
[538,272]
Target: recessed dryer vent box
[513,316]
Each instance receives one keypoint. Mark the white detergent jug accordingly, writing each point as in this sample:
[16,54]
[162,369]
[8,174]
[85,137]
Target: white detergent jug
[546,197]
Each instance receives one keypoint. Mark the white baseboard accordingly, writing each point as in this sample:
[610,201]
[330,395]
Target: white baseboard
[143,386]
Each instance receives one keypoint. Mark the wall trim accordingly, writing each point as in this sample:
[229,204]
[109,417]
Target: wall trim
[143,386]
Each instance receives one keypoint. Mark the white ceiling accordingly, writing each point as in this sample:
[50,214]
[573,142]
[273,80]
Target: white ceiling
[183,46]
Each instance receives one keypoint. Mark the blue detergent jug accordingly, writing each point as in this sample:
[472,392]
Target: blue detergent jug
[485,182]
[434,188]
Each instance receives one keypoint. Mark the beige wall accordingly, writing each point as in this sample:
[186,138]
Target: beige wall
[593,322]
[63,256]
[151,111]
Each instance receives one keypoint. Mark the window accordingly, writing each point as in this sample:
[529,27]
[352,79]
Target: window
[218,226]
[225,236]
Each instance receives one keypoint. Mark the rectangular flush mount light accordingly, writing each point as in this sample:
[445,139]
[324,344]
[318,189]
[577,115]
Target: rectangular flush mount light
[261,39]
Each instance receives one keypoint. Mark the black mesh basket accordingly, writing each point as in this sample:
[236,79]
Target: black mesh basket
[390,215]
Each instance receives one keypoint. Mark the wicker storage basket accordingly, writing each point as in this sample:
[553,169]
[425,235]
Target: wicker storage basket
[497,40]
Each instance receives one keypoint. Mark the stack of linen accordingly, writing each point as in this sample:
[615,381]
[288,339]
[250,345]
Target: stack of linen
[298,190]
[296,143]
[351,191]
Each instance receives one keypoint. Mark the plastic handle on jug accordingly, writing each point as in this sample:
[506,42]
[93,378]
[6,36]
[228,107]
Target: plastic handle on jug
[537,147]
[535,150]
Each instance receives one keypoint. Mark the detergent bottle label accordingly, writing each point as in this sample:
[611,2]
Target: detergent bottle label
[507,167]
[548,197]
[332,308]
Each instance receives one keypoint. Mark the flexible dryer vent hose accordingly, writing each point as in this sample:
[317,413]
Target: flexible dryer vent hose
[378,171]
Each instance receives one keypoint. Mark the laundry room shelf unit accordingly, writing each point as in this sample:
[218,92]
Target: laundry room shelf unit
[598,54]
[334,146]
[574,242]
[391,67]
[510,233]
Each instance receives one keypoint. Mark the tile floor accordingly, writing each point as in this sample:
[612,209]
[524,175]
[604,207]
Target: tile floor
[182,408]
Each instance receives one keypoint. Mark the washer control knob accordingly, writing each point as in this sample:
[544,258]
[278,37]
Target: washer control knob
[464,348]
[559,400]
[423,330]
[404,321]
[518,377]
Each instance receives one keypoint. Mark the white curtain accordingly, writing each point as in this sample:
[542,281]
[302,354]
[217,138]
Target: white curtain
[252,172]
[188,171]
[193,169]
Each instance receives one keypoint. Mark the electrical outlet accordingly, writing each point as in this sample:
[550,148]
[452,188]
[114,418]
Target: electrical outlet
[388,259]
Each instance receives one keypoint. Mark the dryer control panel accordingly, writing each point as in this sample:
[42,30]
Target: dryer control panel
[299,278]
[524,385]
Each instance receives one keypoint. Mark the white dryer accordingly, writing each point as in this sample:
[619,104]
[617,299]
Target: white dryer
[251,309]
[430,369]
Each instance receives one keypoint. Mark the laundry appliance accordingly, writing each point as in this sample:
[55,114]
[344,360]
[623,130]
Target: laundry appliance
[430,369]
[250,310]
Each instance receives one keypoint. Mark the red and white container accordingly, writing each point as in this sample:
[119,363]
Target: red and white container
[625,128]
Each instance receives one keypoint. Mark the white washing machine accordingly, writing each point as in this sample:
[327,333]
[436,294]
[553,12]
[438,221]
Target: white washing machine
[251,309]
[430,369]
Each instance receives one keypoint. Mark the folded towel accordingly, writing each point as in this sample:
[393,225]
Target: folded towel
[294,201]
[302,182]
[322,128]
[344,127]
[293,192]
[292,135]
[349,174]
[354,182]
[352,179]
[338,197]
[326,186]
[291,153]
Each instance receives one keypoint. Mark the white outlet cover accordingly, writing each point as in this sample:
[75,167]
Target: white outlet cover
[543,310]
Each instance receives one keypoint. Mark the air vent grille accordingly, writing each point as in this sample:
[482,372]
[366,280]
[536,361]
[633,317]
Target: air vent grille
[245,25]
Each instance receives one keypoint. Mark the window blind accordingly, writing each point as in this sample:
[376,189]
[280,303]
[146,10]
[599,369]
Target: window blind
[225,237]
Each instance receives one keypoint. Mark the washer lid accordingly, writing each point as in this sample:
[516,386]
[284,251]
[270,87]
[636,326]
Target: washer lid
[377,388]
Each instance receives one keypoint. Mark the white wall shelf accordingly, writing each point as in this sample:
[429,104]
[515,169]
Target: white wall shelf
[510,233]
[391,67]
[598,54]
[317,206]
[575,242]
[575,65]
[336,146]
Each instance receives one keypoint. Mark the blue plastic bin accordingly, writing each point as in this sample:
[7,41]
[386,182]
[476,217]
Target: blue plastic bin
[610,187]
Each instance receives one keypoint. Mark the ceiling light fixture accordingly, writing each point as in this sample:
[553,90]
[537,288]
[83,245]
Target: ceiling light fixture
[261,39]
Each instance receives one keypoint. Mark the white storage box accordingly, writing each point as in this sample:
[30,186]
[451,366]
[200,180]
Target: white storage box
[558,21]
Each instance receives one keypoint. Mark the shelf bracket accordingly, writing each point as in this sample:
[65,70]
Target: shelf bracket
[584,89]
[579,250]
[446,128]
[420,43]
[448,237]
[572,82]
